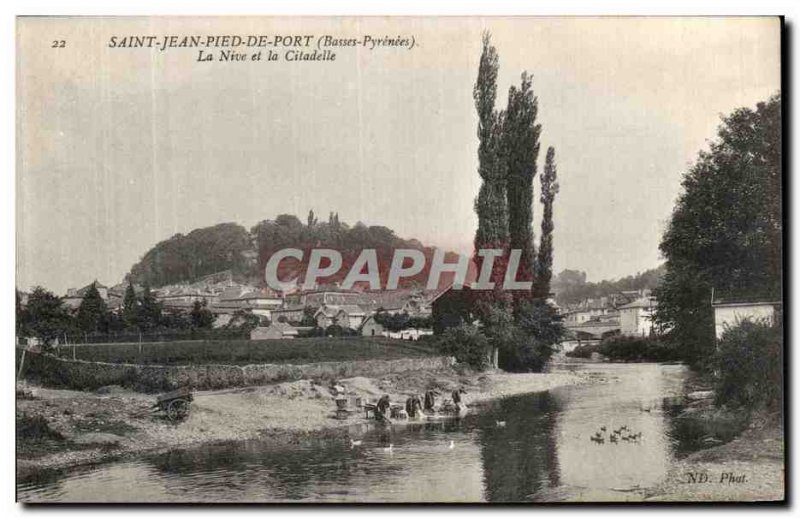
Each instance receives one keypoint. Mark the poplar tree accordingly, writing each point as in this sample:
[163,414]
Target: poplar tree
[92,313]
[490,205]
[519,151]
[130,306]
[544,261]
[149,310]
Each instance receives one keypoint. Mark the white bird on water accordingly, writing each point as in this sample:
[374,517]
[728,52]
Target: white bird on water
[355,443]
[452,445]
[500,424]
[388,449]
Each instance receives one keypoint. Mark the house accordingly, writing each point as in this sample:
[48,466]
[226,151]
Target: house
[636,318]
[730,313]
[589,309]
[74,297]
[348,316]
[183,296]
[261,302]
[369,327]
[322,296]
[326,316]
[288,313]
[276,331]
[410,301]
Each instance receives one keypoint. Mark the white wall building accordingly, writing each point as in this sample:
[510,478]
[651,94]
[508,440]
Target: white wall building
[732,313]
[636,318]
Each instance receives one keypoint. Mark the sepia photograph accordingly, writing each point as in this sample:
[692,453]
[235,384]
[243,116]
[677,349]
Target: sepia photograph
[399,259]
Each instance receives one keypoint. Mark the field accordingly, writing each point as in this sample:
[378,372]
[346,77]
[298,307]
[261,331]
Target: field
[243,352]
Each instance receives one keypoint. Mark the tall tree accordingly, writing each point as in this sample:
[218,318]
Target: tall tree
[48,318]
[491,204]
[92,316]
[544,260]
[149,310]
[519,150]
[130,307]
[726,229]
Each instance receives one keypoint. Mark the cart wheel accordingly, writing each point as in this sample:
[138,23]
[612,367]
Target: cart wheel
[178,409]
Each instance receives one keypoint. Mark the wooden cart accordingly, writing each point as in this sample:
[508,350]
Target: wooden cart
[175,404]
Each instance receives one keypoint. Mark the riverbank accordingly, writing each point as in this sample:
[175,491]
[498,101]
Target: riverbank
[750,468]
[67,428]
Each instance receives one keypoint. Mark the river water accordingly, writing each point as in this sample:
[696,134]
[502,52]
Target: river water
[528,448]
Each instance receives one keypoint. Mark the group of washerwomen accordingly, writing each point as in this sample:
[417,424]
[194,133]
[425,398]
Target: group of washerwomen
[416,407]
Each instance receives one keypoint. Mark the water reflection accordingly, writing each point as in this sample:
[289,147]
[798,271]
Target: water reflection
[520,457]
[543,452]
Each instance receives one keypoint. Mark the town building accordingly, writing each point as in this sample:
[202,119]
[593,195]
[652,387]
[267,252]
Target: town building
[261,302]
[288,313]
[636,318]
[74,296]
[370,327]
[729,314]
[349,316]
[318,297]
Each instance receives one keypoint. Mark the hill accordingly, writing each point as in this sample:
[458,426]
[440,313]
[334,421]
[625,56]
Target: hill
[570,286]
[229,246]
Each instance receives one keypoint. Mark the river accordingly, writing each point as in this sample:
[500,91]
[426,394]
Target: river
[527,448]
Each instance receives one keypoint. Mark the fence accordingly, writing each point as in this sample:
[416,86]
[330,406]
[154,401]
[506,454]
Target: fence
[156,336]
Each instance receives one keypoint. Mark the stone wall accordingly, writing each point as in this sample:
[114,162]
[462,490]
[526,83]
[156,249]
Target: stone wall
[85,375]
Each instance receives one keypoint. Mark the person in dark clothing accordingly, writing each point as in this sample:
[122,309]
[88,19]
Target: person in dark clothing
[413,406]
[382,408]
[430,401]
[457,398]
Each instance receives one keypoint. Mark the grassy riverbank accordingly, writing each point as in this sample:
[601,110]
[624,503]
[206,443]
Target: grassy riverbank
[67,428]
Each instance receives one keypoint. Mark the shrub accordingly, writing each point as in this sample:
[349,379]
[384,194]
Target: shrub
[749,366]
[35,428]
[521,352]
[635,348]
[467,345]
[584,351]
[334,330]
[627,349]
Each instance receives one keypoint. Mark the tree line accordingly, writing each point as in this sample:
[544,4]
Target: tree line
[46,317]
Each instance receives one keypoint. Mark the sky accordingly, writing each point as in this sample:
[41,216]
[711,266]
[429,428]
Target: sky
[120,148]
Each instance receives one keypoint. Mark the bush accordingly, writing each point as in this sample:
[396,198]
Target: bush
[334,330]
[627,349]
[521,352]
[35,428]
[584,351]
[636,348]
[467,345]
[749,366]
